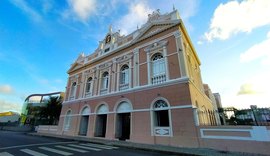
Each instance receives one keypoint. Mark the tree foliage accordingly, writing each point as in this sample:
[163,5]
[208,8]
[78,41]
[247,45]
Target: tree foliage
[52,110]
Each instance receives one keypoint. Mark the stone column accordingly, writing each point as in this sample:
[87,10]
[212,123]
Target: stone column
[136,67]
[181,54]
[166,63]
[148,67]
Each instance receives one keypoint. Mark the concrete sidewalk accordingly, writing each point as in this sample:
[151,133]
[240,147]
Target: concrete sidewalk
[148,147]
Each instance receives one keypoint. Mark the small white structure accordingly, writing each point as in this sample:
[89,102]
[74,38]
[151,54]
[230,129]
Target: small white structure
[9,117]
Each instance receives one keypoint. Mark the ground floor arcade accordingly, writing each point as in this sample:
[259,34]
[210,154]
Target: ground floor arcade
[155,115]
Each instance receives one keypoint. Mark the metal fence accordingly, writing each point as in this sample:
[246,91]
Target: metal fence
[232,116]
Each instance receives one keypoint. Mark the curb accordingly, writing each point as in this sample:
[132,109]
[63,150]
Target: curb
[147,147]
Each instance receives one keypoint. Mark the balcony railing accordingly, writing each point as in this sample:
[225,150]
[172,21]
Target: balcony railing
[123,86]
[71,97]
[103,91]
[158,79]
[88,94]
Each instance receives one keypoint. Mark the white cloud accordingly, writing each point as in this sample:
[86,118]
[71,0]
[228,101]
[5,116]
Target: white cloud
[6,106]
[187,8]
[247,89]
[25,7]
[137,16]
[6,89]
[245,100]
[254,91]
[199,42]
[81,9]
[238,16]
[258,51]
[268,34]
[35,99]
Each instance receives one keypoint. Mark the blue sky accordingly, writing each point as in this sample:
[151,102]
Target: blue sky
[40,39]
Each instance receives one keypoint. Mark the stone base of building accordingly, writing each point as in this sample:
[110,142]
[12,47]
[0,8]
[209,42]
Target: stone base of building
[244,139]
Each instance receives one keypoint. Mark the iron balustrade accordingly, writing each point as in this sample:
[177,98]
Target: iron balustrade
[233,116]
[159,79]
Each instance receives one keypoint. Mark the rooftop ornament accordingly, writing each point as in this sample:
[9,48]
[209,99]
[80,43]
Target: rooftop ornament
[154,16]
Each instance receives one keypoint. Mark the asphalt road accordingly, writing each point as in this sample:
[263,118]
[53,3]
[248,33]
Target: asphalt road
[20,144]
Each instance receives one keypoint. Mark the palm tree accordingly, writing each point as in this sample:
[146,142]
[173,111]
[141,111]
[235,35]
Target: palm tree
[52,109]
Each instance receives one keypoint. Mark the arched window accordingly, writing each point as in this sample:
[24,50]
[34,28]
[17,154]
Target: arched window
[102,109]
[67,120]
[104,83]
[161,114]
[158,69]
[88,88]
[124,78]
[105,80]
[124,107]
[85,111]
[73,90]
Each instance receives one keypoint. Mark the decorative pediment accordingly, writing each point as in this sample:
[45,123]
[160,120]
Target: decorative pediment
[78,63]
[155,28]
[75,66]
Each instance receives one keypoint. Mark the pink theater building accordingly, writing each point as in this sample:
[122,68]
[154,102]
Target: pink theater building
[144,87]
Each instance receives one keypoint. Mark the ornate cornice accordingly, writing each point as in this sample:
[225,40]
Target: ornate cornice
[156,45]
[105,65]
[177,34]
[124,58]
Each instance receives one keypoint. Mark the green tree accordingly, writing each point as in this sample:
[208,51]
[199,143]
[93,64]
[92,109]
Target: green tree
[52,110]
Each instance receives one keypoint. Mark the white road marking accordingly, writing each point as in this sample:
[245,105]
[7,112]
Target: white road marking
[55,151]
[31,152]
[99,146]
[5,154]
[41,144]
[84,147]
[72,149]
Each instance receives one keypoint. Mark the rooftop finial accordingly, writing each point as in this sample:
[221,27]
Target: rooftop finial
[173,7]
[110,28]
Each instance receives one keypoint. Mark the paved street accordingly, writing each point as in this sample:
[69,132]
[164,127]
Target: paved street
[20,144]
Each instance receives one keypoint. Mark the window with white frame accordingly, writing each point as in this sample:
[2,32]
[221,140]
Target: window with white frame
[105,80]
[161,114]
[104,83]
[88,87]
[124,78]
[67,120]
[73,90]
[158,69]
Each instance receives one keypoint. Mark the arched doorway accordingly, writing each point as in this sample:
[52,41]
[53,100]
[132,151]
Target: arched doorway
[84,120]
[122,127]
[101,121]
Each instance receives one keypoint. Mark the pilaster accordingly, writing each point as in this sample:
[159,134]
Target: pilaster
[181,54]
